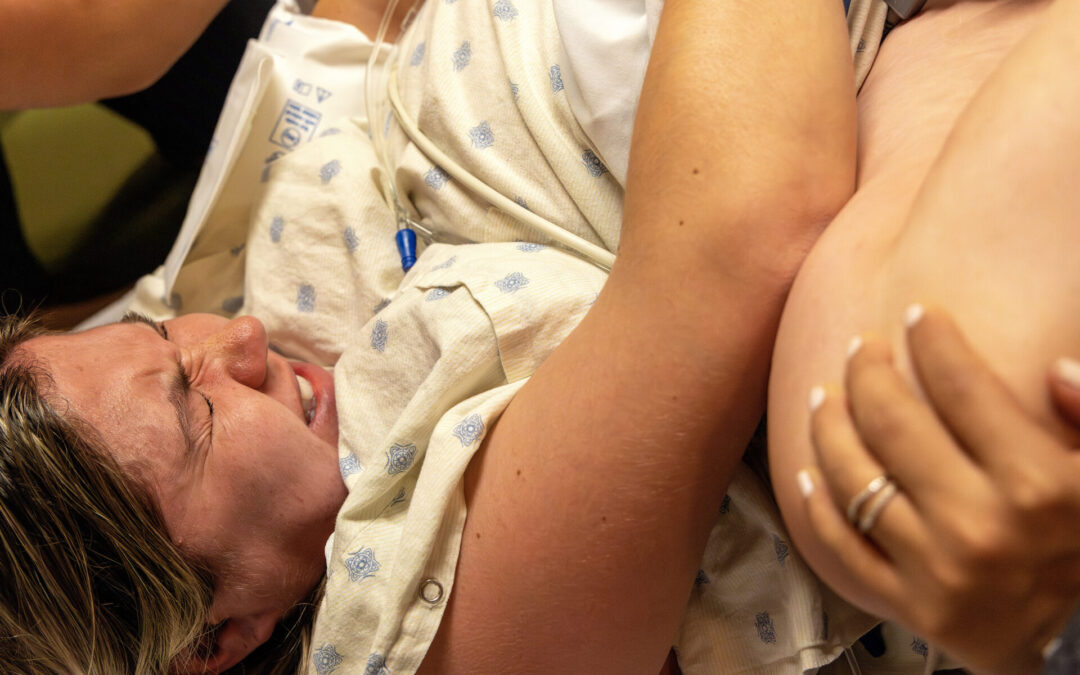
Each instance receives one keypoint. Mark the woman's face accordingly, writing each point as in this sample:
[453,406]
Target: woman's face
[247,478]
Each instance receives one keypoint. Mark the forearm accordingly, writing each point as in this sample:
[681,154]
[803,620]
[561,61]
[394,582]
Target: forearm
[607,469]
[70,51]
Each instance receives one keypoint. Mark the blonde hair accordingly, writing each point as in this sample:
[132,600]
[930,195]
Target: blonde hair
[90,581]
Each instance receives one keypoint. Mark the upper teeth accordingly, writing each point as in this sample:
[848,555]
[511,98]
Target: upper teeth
[307,397]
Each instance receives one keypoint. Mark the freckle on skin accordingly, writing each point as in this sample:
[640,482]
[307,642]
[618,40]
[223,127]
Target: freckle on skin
[681,223]
[695,171]
[477,535]
[603,519]
[519,472]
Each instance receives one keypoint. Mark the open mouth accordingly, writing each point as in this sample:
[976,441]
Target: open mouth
[307,398]
[315,388]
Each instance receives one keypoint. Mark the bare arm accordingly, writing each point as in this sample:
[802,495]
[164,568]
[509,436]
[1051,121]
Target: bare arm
[70,51]
[743,148]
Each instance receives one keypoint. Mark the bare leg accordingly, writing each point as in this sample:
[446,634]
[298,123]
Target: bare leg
[976,216]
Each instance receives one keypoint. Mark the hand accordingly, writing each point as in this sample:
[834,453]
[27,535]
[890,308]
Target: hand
[977,549]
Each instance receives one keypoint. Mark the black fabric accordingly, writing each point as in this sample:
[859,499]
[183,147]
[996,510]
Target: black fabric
[180,112]
[1065,660]
[20,272]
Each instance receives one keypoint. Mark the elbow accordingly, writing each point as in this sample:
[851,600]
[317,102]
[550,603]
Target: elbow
[799,214]
[130,76]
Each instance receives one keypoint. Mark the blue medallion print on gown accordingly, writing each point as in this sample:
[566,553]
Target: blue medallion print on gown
[351,240]
[504,11]
[418,55]
[555,75]
[386,124]
[376,665]
[919,646]
[446,264]
[514,90]
[277,226]
[481,136]
[325,659]
[701,578]
[361,564]
[593,164]
[399,458]
[781,548]
[512,282]
[462,56]
[332,131]
[378,336]
[530,247]
[329,170]
[265,175]
[232,305]
[436,294]
[305,299]
[470,429]
[435,177]
[349,465]
[765,629]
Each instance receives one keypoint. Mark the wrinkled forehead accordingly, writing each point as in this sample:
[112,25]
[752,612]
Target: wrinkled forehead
[115,378]
[91,364]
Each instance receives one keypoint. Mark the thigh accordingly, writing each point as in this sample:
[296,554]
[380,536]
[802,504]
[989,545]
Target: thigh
[1005,277]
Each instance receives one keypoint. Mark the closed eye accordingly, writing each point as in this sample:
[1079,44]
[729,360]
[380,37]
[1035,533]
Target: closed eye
[181,373]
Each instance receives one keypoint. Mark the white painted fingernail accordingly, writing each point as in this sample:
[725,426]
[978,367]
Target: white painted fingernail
[913,314]
[806,483]
[854,345]
[1050,648]
[816,398]
[1068,370]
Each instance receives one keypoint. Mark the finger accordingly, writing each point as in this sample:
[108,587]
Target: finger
[979,410]
[866,577]
[1065,388]
[849,471]
[901,430]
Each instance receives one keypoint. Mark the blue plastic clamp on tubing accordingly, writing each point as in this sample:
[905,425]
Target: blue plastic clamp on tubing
[406,246]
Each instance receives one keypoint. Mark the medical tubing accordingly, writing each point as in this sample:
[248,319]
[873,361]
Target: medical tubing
[406,246]
[374,77]
[599,256]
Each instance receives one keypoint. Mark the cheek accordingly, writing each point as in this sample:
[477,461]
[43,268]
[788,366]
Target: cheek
[282,460]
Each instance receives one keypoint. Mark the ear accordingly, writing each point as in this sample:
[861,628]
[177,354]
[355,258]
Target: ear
[233,641]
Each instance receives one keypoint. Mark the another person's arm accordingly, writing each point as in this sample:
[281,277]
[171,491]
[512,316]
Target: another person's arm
[70,51]
[977,551]
[592,497]
[61,52]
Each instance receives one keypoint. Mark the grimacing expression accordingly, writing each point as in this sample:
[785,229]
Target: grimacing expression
[237,445]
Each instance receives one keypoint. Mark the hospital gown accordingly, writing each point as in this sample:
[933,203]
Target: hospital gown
[424,364]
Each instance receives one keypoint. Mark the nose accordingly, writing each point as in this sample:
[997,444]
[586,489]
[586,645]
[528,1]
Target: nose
[240,347]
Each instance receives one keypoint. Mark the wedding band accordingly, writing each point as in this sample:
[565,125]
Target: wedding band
[872,488]
[878,505]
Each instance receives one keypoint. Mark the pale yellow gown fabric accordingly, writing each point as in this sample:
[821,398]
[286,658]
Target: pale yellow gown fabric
[425,364]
